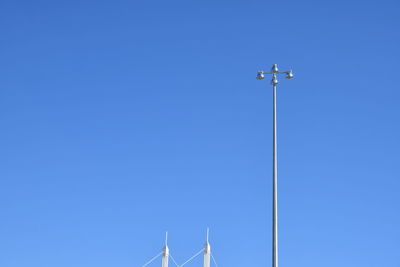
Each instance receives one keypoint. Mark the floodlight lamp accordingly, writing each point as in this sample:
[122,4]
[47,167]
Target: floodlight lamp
[274,68]
[260,75]
[289,74]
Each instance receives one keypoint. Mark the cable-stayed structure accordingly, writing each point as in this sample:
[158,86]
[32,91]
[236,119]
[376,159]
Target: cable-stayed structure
[166,255]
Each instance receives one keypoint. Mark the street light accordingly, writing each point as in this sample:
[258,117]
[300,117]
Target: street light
[260,76]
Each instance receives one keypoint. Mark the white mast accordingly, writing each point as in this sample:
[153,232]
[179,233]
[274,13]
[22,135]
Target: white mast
[207,252]
[165,252]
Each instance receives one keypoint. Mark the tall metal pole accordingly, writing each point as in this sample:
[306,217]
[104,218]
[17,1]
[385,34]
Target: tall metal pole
[274,181]
[260,76]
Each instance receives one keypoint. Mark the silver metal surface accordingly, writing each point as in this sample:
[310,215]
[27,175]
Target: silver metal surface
[260,75]
[274,184]
[274,82]
[165,252]
[289,74]
[207,252]
[274,68]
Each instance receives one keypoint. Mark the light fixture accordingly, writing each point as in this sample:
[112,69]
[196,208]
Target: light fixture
[274,69]
[289,74]
[260,75]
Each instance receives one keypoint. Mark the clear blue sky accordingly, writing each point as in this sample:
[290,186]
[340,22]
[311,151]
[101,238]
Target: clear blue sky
[123,119]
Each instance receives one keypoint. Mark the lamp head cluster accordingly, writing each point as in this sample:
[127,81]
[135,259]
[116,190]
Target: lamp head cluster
[274,71]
